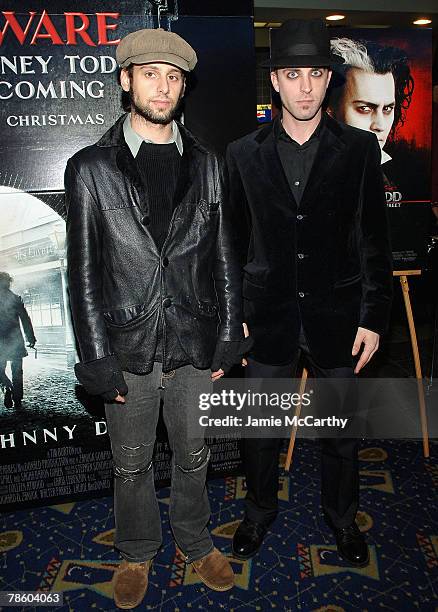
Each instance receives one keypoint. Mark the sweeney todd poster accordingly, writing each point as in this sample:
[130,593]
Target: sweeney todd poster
[385,87]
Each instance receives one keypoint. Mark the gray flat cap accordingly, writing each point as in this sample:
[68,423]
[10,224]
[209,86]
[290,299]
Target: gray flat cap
[148,46]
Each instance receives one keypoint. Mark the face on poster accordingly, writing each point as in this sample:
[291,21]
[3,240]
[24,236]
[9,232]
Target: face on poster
[374,88]
[385,84]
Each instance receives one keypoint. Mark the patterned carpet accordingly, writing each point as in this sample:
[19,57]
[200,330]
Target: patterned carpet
[68,547]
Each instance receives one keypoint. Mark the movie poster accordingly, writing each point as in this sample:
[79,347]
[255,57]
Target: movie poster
[59,92]
[385,86]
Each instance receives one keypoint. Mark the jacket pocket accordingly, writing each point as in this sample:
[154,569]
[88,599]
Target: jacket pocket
[251,290]
[207,309]
[255,274]
[199,307]
[209,208]
[128,316]
[346,282]
[254,281]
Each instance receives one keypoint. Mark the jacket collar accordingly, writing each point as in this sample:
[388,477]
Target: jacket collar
[280,132]
[114,137]
[134,140]
[327,156]
[331,124]
[193,151]
[331,144]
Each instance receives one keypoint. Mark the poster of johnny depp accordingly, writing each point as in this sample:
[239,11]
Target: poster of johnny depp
[385,86]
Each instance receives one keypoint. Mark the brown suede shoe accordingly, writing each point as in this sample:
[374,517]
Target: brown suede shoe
[215,571]
[130,584]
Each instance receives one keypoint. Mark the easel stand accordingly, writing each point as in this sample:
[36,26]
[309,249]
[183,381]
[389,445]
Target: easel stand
[403,275]
[293,433]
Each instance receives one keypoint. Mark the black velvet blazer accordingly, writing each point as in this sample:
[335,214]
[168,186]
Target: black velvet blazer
[326,263]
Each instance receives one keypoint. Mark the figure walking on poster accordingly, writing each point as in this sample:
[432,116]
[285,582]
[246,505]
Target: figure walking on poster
[12,312]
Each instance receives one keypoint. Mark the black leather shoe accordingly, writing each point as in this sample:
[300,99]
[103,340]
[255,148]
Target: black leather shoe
[248,539]
[352,546]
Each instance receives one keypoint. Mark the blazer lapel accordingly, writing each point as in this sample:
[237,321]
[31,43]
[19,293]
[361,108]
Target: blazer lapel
[190,161]
[126,164]
[329,149]
[186,176]
[272,168]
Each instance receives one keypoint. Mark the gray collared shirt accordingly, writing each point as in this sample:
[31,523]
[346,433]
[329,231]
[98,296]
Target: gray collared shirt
[134,140]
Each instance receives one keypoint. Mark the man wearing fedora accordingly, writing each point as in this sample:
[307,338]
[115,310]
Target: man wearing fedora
[155,294]
[309,199]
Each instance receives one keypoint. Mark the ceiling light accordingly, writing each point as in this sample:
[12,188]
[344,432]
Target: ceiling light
[259,24]
[422,21]
[335,17]
[274,24]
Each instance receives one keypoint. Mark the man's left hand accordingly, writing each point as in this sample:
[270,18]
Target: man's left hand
[227,354]
[216,375]
[370,340]
[219,373]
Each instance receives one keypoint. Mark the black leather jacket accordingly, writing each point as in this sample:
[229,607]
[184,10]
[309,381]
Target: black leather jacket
[121,286]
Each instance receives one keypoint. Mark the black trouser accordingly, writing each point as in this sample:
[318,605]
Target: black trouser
[339,473]
[17,377]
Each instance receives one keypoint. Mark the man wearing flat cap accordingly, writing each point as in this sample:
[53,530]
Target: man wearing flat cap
[308,195]
[155,294]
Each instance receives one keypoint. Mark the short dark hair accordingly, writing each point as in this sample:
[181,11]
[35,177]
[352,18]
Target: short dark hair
[125,101]
[373,57]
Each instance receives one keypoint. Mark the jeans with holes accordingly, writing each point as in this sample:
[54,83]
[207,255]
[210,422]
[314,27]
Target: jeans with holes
[132,431]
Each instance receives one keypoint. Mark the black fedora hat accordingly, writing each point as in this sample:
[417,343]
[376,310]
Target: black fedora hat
[301,43]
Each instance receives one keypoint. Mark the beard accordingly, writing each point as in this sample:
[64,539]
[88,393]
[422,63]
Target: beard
[146,111]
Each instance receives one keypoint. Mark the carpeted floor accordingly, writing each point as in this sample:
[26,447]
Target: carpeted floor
[68,547]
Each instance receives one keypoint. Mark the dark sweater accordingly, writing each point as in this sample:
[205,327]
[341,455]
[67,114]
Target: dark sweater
[158,165]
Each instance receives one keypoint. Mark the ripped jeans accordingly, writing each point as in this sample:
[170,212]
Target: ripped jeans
[132,431]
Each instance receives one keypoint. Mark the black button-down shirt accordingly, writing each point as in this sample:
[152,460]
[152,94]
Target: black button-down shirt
[297,160]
